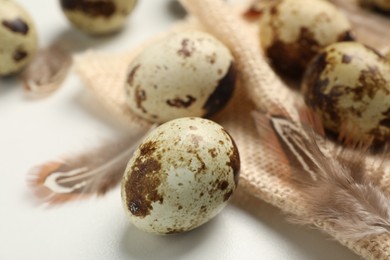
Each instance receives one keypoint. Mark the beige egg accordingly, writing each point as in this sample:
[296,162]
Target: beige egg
[292,32]
[189,73]
[18,37]
[181,176]
[98,16]
[348,84]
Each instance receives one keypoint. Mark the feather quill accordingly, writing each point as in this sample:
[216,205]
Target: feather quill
[336,186]
[93,172]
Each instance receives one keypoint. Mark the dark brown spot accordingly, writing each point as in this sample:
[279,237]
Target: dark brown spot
[19,55]
[223,185]
[313,85]
[227,195]
[202,167]
[346,59]
[148,148]
[385,122]
[234,160]
[274,9]
[253,13]
[179,207]
[211,58]
[203,208]
[104,8]
[372,80]
[181,103]
[213,152]
[187,48]
[130,78]
[140,97]
[222,93]
[16,25]
[193,127]
[141,186]
[346,37]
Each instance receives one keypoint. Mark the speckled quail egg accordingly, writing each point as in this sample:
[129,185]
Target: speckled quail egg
[98,16]
[292,32]
[348,84]
[181,176]
[188,73]
[18,37]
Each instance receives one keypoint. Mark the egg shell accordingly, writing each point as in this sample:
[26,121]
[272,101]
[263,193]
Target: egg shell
[185,74]
[18,37]
[181,176]
[292,32]
[99,16]
[348,84]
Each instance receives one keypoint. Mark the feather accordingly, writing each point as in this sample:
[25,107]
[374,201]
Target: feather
[336,186]
[93,172]
[46,71]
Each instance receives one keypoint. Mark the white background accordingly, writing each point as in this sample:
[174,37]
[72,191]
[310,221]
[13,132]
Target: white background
[33,131]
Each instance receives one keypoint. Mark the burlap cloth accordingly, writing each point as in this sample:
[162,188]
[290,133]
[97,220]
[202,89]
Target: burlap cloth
[258,88]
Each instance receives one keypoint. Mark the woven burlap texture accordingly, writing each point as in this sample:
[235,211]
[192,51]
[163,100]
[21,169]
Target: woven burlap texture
[258,88]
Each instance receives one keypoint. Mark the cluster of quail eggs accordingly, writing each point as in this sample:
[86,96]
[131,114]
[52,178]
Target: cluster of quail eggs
[345,82]
[18,36]
[185,171]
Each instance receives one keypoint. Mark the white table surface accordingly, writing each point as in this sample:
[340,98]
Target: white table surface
[34,131]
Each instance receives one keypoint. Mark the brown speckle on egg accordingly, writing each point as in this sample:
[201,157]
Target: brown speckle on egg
[16,25]
[187,48]
[131,75]
[181,103]
[140,97]
[140,197]
[19,55]
[222,93]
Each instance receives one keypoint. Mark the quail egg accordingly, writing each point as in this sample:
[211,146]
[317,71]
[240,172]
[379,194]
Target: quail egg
[18,37]
[181,176]
[348,84]
[189,73]
[292,32]
[98,16]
